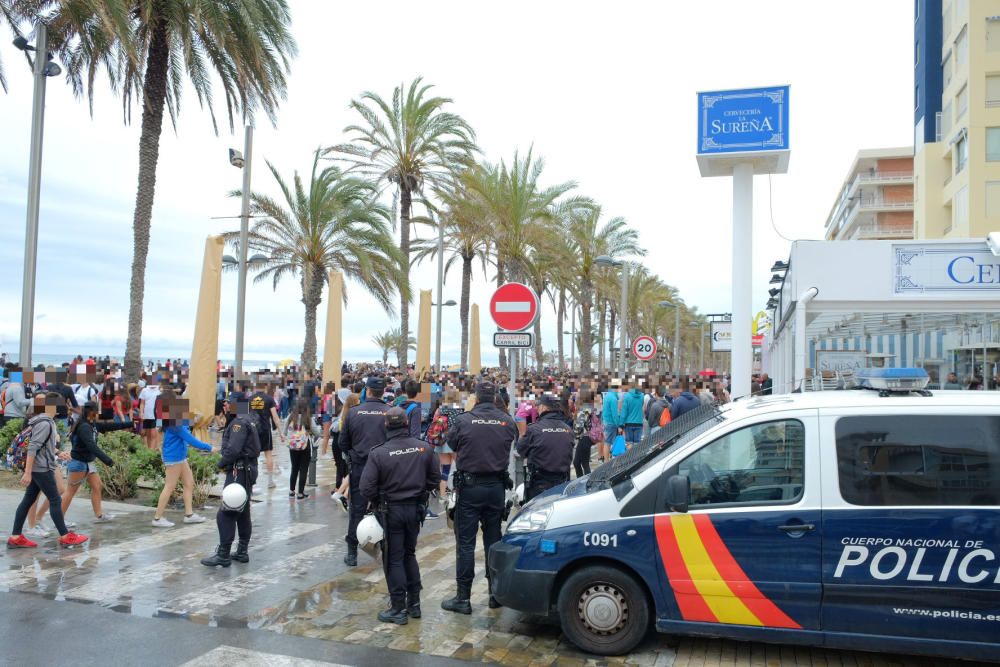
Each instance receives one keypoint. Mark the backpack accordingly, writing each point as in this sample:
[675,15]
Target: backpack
[17,452]
[665,415]
[437,432]
[3,397]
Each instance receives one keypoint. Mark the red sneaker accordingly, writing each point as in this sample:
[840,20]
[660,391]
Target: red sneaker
[20,542]
[72,539]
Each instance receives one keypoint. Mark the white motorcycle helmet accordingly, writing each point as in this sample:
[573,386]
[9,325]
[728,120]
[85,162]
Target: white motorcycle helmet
[519,494]
[234,497]
[369,534]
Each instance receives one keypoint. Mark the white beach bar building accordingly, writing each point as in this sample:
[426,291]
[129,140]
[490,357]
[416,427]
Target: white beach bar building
[846,305]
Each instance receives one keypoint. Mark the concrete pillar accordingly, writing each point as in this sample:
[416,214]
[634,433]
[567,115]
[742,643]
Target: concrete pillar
[333,355]
[423,363]
[475,359]
[203,373]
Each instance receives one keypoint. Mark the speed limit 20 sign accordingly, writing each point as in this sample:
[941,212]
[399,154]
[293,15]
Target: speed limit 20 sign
[644,348]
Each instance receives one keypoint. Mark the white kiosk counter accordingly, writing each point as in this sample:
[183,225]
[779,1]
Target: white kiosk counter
[846,305]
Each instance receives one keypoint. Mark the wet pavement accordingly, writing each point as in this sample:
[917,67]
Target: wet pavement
[296,585]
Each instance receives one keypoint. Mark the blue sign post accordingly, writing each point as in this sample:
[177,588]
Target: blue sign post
[742,133]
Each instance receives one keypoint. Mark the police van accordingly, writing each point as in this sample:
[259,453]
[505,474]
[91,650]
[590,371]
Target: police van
[856,519]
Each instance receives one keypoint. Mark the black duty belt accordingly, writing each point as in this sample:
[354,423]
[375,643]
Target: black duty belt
[473,479]
[553,475]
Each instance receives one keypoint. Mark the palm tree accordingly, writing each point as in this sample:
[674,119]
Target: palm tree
[408,143]
[467,237]
[151,50]
[516,203]
[391,340]
[588,238]
[7,16]
[330,223]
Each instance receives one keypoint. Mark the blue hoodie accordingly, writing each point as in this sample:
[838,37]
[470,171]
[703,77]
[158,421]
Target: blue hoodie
[686,402]
[632,408]
[609,413]
[175,443]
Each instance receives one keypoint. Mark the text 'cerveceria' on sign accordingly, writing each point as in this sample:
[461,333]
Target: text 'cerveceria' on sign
[501,339]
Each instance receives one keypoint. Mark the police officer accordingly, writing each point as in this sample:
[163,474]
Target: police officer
[398,477]
[481,439]
[363,428]
[548,447]
[240,449]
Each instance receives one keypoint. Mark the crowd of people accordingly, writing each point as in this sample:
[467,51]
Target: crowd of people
[401,445]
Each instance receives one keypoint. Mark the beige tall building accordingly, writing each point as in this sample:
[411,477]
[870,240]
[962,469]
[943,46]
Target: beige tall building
[876,199]
[957,176]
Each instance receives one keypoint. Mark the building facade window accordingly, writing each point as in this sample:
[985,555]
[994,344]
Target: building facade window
[960,211]
[993,199]
[916,53]
[993,90]
[916,98]
[961,102]
[946,70]
[961,154]
[993,144]
[946,21]
[962,47]
[992,34]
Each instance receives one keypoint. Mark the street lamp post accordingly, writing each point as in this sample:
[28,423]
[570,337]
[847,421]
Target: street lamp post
[437,343]
[701,345]
[606,260]
[229,260]
[242,162]
[41,68]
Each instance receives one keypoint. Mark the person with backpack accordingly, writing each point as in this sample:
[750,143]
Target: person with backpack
[412,406]
[343,490]
[41,454]
[437,436]
[299,446]
[81,465]
[658,411]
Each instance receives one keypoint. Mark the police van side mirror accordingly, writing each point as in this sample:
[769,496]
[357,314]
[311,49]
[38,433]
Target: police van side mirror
[678,492]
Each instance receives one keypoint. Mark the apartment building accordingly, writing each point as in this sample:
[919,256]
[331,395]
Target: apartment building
[876,199]
[956,180]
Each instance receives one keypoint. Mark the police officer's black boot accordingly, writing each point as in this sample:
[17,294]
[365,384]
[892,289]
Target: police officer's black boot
[351,559]
[394,614]
[219,558]
[460,603]
[413,605]
[242,554]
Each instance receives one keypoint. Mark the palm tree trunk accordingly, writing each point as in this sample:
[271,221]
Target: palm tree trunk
[600,334]
[464,307]
[312,295]
[586,343]
[405,201]
[611,339]
[538,354]
[501,352]
[560,314]
[154,94]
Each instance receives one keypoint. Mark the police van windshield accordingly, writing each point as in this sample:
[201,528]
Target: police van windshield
[681,430]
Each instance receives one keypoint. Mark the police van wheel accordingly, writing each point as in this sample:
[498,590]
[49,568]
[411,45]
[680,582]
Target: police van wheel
[603,610]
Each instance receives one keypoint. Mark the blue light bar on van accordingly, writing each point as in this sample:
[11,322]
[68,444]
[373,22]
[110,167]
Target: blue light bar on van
[893,379]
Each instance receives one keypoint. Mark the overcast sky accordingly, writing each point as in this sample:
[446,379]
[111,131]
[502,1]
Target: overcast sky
[604,91]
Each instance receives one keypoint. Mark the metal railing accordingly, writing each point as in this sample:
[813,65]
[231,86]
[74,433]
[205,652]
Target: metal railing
[879,202]
[877,231]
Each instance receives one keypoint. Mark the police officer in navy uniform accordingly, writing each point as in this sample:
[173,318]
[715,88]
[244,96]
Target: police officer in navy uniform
[481,439]
[363,428]
[240,449]
[398,477]
[548,447]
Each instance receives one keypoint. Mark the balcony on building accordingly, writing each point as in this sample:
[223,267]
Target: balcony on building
[876,199]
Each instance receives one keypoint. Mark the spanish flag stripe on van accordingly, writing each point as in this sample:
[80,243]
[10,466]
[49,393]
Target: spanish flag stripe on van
[708,583]
[692,606]
[757,602]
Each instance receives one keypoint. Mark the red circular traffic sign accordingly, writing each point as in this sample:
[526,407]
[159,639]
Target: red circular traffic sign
[644,348]
[514,306]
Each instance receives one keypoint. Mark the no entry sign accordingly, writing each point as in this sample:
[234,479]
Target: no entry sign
[644,348]
[514,306]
